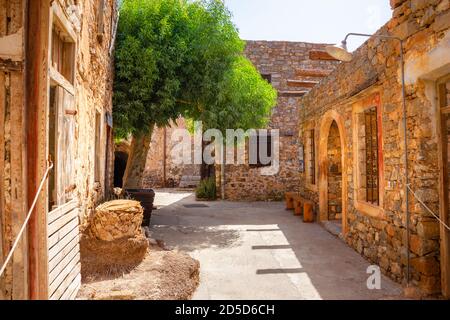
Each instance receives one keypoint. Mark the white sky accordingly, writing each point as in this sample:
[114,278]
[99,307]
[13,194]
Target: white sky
[322,21]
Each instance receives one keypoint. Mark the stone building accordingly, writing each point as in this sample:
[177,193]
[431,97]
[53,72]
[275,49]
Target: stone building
[353,136]
[161,171]
[55,102]
[293,68]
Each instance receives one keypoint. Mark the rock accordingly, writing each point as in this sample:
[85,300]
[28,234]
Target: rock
[428,229]
[423,247]
[428,266]
[413,293]
[442,22]
[117,219]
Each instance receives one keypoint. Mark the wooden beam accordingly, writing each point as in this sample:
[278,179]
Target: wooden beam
[37,52]
[292,93]
[320,55]
[313,73]
[302,84]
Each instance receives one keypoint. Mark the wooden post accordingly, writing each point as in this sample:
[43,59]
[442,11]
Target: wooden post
[37,39]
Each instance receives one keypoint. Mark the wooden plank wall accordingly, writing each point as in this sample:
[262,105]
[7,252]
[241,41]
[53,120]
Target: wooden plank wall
[64,252]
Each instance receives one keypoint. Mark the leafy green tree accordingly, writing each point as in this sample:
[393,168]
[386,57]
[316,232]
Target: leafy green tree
[180,58]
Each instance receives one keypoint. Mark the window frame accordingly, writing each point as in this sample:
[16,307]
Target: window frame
[372,100]
[61,85]
[257,135]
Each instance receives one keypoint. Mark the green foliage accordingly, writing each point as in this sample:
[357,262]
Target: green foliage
[170,57]
[244,100]
[207,189]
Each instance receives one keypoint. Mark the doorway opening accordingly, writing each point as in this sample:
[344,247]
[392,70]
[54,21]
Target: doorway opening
[332,182]
[334,154]
[120,165]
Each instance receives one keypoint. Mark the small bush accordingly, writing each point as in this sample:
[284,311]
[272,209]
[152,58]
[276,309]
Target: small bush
[207,189]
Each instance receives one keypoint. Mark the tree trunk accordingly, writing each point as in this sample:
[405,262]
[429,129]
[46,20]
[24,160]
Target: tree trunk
[137,159]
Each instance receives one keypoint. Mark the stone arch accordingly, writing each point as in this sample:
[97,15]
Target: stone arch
[325,126]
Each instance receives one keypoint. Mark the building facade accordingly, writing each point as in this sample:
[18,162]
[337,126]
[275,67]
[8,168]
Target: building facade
[161,170]
[55,103]
[292,68]
[351,127]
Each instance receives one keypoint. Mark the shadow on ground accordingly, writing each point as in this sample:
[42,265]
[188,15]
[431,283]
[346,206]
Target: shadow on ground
[259,250]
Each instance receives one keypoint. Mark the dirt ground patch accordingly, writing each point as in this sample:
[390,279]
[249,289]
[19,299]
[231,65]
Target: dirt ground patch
[162,275]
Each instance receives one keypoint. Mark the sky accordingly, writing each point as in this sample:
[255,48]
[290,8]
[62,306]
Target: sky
[320,21]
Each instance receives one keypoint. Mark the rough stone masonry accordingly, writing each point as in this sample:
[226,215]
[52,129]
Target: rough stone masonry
[377,229]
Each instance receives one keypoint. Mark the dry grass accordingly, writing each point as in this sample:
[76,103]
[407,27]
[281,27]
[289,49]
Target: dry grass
[162,275]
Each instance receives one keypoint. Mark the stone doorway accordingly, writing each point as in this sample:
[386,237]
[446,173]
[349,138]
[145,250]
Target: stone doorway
[120,165]
[332,168]
[334,154]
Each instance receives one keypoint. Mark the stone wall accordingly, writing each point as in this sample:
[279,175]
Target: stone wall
[92,92]
[282,61]
[373,79]
[94,80]
[158,159]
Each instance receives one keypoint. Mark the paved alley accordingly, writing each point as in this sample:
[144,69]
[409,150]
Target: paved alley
[261,251]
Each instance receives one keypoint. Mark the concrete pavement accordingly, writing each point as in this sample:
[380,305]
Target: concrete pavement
[261,251]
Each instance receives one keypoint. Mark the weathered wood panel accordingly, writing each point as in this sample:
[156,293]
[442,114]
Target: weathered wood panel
[62,221]
[64,252]
[62,210]
[65,279]
[61,233]
[55,272]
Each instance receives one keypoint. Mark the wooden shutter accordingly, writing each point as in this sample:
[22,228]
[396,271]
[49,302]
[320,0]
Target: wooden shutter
[65,141]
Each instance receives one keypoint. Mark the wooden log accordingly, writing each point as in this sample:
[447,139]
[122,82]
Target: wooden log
[292,93]
[302,84]
[320,55]
[315,73]
[289,196]
[298,208]
[308,212]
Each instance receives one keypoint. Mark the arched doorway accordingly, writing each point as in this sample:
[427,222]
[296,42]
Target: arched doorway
[332,170]
[334,153]
[120,165]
